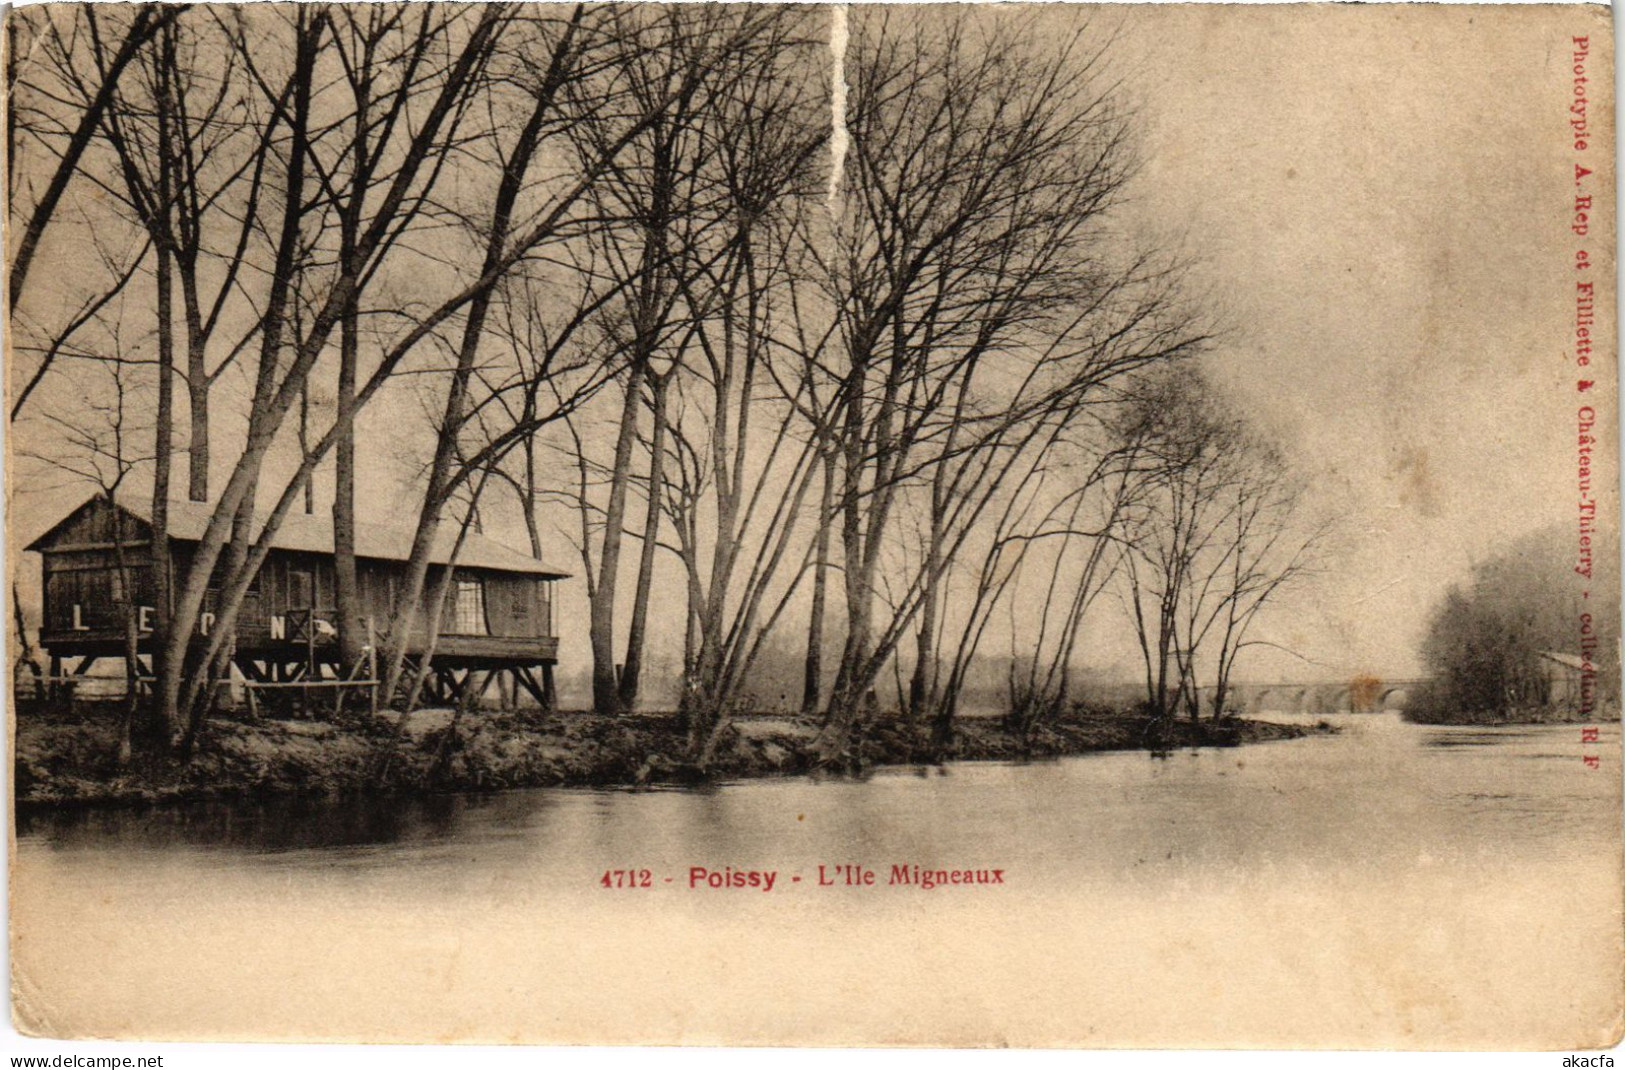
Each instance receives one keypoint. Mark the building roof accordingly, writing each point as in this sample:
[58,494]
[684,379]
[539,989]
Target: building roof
[313,533]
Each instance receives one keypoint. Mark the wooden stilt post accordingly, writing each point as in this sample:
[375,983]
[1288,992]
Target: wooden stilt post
[486,681]
[521,674]
[372,669]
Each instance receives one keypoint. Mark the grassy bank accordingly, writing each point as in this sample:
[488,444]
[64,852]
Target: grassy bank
[72,759]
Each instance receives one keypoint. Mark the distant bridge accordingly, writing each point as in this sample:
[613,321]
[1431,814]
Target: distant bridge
[1363,694]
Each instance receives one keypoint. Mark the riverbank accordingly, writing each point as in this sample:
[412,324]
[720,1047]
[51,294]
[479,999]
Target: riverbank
[72,759]
[1605,713]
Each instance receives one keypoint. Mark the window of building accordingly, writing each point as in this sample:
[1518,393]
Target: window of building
[471,608]
[301,588]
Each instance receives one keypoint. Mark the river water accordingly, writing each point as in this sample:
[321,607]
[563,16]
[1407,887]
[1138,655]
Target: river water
[1391,885]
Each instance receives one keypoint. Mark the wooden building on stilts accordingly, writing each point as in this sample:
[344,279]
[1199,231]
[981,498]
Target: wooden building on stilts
[497,626]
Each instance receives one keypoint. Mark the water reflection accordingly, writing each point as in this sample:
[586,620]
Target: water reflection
[279,825]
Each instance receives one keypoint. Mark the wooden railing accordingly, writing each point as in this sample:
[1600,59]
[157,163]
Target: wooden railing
[305,687]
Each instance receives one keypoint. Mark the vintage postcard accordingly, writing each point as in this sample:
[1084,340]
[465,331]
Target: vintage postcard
[863,525]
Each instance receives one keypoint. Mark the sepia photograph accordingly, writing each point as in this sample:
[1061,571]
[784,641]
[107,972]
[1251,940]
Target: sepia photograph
[867,525]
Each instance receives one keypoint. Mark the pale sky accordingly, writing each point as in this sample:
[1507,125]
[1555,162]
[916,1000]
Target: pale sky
[1380,199]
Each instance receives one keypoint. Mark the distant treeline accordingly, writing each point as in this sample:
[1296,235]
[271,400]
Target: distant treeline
[1525,638]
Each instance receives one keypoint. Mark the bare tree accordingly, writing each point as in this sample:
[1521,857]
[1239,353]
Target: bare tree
[102,446]
[1268,545]
[698,199]
[67,141]
[1214,534]
[970,295]
[1056,534]
[443,99]
[605,223]
[577,90]
[191,168]
[741,429]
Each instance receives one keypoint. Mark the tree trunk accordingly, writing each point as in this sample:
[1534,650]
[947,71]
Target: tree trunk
[646,561]
[846,697]
[132,640]
[812,685]
[601,622]
[532,492]
[942,725]
[152,730]
[346,591]
[922,689]
[197,393]
[853,677]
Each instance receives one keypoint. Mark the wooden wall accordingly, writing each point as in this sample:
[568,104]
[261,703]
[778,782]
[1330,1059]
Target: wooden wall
[80,570]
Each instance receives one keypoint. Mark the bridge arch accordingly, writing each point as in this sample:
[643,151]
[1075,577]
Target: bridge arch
[1396,697]
[1364,694]
[1263,699]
